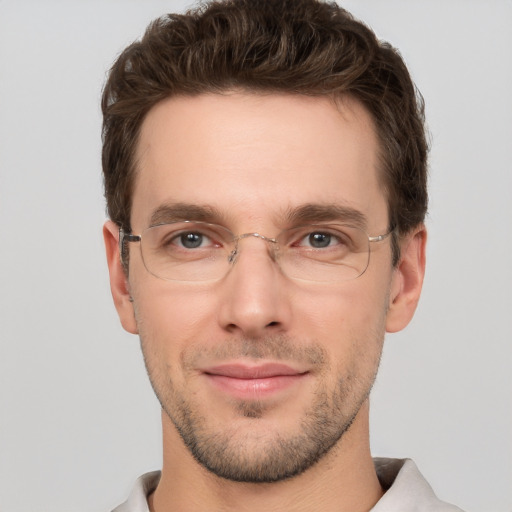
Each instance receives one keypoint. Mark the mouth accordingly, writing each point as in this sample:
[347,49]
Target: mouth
[254,382]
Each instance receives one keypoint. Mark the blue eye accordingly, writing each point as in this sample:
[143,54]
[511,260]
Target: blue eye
[188,237]
[191,240]
[319,240]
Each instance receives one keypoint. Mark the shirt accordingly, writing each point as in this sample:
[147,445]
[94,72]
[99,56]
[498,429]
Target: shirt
[406,490]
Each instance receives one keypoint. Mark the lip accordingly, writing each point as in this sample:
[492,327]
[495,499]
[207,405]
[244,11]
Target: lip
[253,382]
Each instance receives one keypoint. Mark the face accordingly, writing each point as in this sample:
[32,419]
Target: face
[259,373]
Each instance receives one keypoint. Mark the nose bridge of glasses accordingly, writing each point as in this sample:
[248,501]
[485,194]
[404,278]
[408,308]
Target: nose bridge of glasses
[271,243]
[255,235]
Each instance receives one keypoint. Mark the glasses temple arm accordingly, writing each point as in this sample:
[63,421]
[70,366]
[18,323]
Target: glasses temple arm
[126,237]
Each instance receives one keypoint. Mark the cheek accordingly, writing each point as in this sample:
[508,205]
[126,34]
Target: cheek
[348,322]
[340,309]
[172,315]
[169,321]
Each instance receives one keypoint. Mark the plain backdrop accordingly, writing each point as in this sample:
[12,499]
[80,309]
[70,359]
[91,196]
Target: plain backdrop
[78,420]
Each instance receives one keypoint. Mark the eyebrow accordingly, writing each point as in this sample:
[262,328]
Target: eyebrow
[174,212]
[314,212]
[304,214]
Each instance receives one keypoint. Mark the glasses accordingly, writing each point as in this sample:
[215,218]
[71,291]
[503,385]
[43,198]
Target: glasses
[200,251]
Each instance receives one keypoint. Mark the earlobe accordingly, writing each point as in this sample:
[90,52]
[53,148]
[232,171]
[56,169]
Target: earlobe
[407,280]
[118,280]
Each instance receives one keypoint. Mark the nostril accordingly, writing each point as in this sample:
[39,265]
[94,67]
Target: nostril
[273,324]
[231,328]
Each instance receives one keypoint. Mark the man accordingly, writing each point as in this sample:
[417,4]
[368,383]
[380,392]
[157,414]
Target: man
[265,174]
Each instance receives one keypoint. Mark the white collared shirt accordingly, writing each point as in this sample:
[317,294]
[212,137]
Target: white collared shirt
[406,490]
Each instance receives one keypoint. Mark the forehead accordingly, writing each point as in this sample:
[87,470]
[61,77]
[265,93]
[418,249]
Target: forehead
[253,157]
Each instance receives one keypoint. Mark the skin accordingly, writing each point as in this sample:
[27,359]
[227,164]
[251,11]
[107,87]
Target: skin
[253,158]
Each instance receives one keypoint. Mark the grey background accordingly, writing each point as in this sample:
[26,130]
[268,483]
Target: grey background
[78,420]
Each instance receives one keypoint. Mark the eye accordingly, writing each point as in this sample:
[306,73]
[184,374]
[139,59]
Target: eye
[191,240]
[333,241]
[184,239]
[320,240]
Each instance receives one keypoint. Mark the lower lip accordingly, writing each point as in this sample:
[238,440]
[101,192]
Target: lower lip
[254,389]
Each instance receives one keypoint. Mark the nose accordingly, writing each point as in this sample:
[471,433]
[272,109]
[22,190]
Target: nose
[254,299]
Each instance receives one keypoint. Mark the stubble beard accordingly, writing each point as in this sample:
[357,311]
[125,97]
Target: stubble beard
[244,456]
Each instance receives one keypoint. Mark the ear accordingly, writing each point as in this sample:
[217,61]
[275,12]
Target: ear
[118,280]
[407,280]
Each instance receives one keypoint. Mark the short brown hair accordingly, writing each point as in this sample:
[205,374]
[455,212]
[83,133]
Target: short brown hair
[307,47]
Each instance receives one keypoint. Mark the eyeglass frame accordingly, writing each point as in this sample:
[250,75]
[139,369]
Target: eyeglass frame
[124,237]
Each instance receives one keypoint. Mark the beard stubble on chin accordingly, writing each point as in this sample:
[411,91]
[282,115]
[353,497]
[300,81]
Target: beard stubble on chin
[242,454]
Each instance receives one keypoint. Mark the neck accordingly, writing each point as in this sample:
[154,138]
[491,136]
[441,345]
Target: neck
[343,480]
